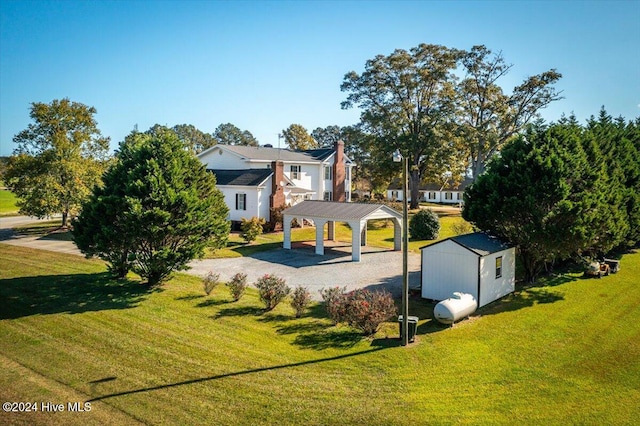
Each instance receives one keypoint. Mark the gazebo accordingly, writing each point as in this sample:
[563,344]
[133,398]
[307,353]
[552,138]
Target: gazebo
[354,214]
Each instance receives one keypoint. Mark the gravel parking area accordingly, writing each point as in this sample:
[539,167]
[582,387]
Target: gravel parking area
[300,266]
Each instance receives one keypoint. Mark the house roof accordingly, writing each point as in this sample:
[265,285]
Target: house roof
[480,243]
[338,210]
[432,186]
[265,153]
[246,177]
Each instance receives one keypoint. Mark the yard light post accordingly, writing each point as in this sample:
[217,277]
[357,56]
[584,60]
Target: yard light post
[397,158]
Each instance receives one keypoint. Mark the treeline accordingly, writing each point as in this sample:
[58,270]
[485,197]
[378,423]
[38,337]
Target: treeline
[562,190]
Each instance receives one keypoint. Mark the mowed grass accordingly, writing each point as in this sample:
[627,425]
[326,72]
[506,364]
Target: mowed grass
[564,352]
[8,203]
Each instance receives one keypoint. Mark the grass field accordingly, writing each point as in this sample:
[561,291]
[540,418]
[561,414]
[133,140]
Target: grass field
[7,203]
[379,234]
[564,352]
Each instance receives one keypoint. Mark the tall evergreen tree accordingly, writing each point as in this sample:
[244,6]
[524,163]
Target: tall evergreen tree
[159,209]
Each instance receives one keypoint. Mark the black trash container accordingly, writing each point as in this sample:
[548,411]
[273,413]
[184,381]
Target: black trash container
[413,326]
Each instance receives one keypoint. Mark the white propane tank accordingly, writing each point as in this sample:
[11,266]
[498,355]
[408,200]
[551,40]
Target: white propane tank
[458,306]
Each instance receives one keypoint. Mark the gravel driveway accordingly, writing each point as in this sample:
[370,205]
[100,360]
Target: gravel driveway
[377,269]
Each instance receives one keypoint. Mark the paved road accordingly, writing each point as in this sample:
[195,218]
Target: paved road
[299,267]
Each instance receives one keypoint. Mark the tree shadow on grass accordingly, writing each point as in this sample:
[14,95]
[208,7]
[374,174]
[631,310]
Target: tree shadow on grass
[239,312]
[72,293]
[332,337]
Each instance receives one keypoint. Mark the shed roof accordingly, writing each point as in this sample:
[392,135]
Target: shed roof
[246,177]
[338,210]
[480,243]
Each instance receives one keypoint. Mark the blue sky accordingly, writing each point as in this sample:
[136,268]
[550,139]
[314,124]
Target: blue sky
[265,65]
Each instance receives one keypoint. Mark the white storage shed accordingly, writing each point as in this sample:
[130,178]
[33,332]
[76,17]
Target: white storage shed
[477,264]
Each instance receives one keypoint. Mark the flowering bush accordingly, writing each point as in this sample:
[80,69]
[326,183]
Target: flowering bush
[366,310]
[210,281]
[300,300]
[272,290]
[334,303]
[237,285]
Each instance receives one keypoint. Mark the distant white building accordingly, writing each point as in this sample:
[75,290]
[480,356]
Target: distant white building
[448,193]
[476,263]
[256,179]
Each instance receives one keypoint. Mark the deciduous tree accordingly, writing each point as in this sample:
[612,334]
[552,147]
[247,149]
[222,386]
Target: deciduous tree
[408,102]
[229,134]
[488,116]
[59,159]
[297,137]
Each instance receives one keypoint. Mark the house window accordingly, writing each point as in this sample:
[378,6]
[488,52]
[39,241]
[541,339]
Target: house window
[348,196]
[458,196]
[328,196]
[432,195]
[241,201]
[347,173]
[394,195]
[295,172]
[498,267]
[448,196]
[327,173]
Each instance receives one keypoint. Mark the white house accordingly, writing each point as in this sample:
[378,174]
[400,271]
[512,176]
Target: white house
[476,263]
[448,193]
[256,179]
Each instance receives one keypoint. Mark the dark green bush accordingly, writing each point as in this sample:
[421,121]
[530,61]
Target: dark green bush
[424,225]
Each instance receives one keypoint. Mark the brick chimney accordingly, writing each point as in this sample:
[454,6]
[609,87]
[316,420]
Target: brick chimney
[339,172]
[277,191]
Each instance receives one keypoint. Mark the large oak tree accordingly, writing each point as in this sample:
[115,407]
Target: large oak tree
[408,102]
[488,117]
[59,159]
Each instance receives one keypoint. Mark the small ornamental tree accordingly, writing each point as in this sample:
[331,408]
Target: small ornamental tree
[272,290]
[300,300]
[251,228]
[424,225]
[366,310]
[210,281]
[161,206]
[237,285]
[334,298]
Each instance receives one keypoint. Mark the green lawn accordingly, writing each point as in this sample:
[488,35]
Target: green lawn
[379,234]
[564,352]
[7,203]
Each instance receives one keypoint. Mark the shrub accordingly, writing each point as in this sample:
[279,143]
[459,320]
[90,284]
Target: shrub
[424,225]
[334,303]
[251,228]
[237,285]
[210,281]
[366,310]
[462,227]
[272,290]
[300,300]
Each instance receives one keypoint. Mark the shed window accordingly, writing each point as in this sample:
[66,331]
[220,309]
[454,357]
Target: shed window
[432,195]
[328,196]
[498,267]
[448,196]
[241,201]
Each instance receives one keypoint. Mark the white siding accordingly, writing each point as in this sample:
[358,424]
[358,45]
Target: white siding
[219,159]
[252,201]
[492,288]
[446,268]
